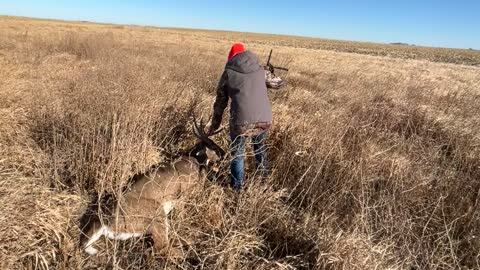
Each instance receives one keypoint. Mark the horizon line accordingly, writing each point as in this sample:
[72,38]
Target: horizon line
[396,43]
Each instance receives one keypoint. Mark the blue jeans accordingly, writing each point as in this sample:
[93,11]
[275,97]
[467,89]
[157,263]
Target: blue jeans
[237,149]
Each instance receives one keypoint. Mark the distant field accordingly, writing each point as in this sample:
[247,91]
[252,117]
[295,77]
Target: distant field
[404,51]
[396,50]
[374,149]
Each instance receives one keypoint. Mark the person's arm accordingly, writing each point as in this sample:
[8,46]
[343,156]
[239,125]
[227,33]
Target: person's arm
[220,104]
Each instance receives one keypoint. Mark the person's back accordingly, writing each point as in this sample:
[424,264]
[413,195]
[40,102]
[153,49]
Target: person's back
[243,81]
[247,90]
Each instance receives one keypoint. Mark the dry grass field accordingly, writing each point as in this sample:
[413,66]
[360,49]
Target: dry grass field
[375,156]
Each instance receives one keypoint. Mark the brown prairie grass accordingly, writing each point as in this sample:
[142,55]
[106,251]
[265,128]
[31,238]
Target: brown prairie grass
[375,160]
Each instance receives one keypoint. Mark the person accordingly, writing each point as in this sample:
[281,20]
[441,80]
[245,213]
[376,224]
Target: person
[243,82]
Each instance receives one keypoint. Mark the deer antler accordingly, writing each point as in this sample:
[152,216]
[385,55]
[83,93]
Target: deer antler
[199,132]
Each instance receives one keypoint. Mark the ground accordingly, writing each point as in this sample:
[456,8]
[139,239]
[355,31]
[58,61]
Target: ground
[374,149]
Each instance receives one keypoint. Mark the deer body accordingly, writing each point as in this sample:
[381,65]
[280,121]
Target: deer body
[145,205]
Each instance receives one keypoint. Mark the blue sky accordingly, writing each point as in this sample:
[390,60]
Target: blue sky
[441,23]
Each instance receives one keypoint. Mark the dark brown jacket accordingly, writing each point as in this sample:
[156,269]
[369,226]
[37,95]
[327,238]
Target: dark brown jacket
[243,81]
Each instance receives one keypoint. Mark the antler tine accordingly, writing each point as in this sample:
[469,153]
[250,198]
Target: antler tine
[195,132]
[195,127]
[202,129]
[194,119]
[199,131]
[202,126]
[216,132]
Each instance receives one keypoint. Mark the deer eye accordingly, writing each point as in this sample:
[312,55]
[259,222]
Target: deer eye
[200,152]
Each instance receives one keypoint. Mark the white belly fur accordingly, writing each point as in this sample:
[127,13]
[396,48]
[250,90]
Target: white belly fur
[105,230]
[120,235]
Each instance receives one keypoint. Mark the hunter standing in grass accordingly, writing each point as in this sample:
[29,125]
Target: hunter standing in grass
[243,81]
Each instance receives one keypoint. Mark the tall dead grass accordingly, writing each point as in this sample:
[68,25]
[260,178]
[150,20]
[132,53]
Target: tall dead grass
[364,175]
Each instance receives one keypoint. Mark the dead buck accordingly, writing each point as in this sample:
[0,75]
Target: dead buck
[145,205]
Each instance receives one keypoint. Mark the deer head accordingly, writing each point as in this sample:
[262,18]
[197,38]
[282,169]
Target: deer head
[206,151]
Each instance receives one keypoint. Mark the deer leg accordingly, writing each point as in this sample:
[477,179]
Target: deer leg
[96,233]
[167,208]
[159,236]
[120,235]
[160,232]
[160,229]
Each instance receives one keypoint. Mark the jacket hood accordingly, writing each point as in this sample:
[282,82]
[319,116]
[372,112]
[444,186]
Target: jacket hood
[245,62]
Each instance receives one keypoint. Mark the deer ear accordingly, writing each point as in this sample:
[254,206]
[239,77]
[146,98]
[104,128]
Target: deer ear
[211,154]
